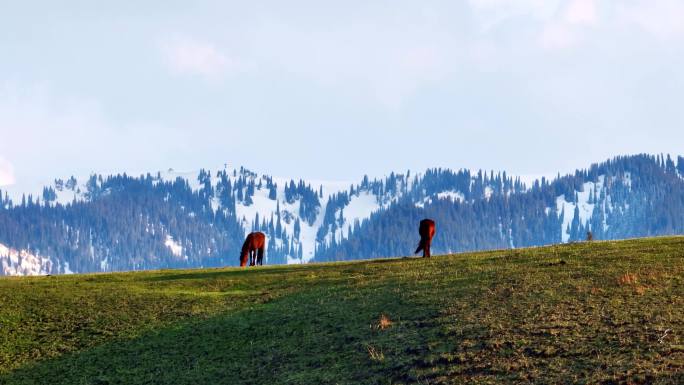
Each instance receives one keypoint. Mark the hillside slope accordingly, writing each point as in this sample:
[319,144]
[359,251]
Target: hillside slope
[603,312]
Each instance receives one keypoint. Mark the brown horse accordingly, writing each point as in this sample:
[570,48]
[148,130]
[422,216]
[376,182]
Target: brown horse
[426,231]
[254,249]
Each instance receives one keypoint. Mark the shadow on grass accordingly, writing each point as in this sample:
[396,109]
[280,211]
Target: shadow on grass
[315,337]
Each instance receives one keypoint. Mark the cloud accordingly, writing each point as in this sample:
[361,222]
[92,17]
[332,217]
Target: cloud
[663,18]
[536,8]
[46,130]
[448,68]
[581,12]
[556,23]
[6,173]
[569,26]
[491,13]
[195,57]
[557,36]
[381,63]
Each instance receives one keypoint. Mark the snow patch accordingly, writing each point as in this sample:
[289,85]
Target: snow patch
[488,192]
[455,196]
[585,207]
[452,195]
[173,245]
[21,262]
[360,207]
[67,270]
[104,265]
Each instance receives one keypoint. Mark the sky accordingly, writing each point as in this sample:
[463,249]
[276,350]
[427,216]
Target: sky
[338,89]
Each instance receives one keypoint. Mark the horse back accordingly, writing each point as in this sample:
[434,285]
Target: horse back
[255,240]
[427,228]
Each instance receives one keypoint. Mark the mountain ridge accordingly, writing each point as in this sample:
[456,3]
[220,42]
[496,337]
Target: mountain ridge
[186,219]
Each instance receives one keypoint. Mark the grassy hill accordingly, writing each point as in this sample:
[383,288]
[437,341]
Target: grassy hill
[602,312]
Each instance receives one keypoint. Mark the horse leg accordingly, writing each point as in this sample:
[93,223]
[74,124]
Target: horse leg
[427,249]
[260,256]
[251,258]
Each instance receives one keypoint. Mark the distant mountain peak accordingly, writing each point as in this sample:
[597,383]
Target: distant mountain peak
[175,218]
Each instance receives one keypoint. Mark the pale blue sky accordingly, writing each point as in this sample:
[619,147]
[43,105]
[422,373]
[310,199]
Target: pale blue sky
[335,90]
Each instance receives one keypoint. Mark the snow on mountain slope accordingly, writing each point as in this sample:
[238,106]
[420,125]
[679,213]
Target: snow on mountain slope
[588,197]
[303,229]
[361,204]
[455,196]
[267,208]
[452,195]
[262,207]
[173,245]
[360,207]
[171,175]
[20,262]
[488,192]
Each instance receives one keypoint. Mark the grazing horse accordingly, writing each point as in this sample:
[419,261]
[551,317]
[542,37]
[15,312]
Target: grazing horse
[426,231]
[254,249]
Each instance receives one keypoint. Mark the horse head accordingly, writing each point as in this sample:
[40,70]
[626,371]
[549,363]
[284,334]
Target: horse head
[243,258]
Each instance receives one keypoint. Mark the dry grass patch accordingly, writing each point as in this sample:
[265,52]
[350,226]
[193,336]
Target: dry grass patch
[384,322]
[628,279]
[596,290]
[641,290]
[375,354]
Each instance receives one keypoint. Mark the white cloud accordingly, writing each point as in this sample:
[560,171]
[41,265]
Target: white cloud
[195,57]
[557,23]
[384,63]
[569,26]
[6,173]
[66,135]
[662,18]
[490,13]
[557,36]
[450,68]
[512,7]
[581,12]
[573,24]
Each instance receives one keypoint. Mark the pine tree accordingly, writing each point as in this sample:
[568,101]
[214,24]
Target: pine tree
[240,196]
[669,165]
[297,229]
[273,192]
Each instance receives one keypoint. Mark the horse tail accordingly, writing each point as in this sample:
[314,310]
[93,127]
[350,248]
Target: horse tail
[421,245]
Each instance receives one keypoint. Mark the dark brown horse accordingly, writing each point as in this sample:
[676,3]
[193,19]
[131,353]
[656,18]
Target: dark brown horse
[254,249]
[426,231]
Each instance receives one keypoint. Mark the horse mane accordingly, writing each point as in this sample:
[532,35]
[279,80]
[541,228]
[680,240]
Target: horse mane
[245,245]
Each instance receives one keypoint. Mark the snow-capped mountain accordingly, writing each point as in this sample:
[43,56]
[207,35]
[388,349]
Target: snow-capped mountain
[624,197]
[275,202]
[199,218]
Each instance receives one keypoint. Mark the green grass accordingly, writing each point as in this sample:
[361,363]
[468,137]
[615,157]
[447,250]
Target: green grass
[598,313]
